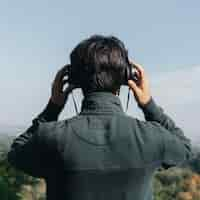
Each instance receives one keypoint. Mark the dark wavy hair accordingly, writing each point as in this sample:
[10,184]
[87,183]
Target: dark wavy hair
[98,64]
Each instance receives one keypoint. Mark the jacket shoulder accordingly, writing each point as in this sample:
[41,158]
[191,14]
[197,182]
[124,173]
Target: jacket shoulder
[53,133]
[145,140]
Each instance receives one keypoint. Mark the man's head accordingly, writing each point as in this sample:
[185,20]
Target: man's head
[98,64]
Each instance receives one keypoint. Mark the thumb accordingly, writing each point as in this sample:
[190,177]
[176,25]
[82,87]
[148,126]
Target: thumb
[133,86]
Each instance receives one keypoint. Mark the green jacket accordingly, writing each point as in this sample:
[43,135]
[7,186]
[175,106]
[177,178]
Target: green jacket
[101,153]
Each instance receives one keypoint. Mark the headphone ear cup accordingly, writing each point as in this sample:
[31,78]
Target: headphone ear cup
[72,73]
[126,75]
[69,73]
[130,74]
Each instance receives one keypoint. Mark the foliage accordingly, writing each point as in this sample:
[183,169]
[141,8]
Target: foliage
[12,180]
[176,183]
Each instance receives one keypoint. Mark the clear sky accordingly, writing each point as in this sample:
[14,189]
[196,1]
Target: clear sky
[36,38]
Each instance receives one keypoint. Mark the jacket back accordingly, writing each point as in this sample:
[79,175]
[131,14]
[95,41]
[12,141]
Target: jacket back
[102,153]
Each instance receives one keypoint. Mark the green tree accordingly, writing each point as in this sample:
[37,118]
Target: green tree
[12,180]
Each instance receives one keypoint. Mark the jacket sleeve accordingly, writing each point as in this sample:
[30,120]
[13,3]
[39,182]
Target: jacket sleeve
[177,148]
[27,153]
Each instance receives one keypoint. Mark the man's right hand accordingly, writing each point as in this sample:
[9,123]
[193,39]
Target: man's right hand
[58,96]
[141,90]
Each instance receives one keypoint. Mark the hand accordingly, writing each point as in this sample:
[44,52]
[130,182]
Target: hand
[58,96]
[141,90]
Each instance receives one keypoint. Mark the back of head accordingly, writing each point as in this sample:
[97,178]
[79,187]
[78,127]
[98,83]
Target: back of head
[98,64]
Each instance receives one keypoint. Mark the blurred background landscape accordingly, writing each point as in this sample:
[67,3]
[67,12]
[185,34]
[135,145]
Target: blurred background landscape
[36,39]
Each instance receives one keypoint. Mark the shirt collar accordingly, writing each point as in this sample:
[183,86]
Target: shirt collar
[101,103]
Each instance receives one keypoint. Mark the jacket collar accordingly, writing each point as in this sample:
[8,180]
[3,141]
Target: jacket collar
[101,103]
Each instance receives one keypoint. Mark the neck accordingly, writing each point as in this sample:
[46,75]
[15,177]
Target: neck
[101,102]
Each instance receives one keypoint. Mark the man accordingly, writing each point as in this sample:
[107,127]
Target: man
[101,153]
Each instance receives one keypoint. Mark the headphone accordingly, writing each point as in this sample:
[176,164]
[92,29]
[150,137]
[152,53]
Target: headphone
[128,74]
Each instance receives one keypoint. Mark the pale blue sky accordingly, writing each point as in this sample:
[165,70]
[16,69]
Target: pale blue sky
[36,38]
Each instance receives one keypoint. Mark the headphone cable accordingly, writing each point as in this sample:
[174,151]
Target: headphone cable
[75,105]
[128,98]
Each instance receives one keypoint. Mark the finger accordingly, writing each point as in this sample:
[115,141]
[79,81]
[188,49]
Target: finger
[59,85]
[137,73]
[138,67]
[62,72]
[69,89]
[64,81]
[65,68]
[140,71]
[133,86]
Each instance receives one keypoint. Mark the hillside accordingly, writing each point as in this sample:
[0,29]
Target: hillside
[5,142]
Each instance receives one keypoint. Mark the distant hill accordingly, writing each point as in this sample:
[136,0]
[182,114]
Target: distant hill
[5,142]
[7,134]
[11,129]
